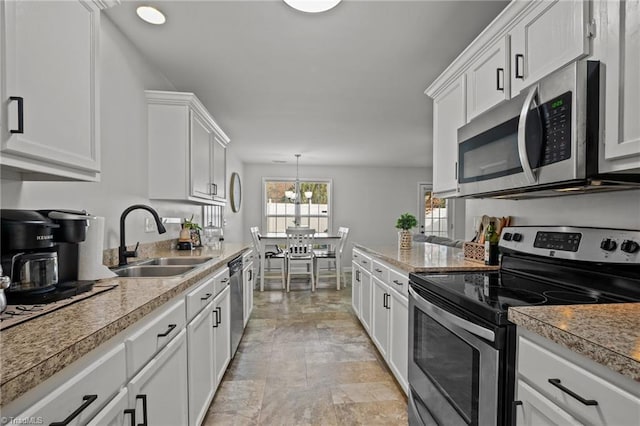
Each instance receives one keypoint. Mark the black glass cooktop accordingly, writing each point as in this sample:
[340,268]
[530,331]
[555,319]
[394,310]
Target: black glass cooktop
[490,294]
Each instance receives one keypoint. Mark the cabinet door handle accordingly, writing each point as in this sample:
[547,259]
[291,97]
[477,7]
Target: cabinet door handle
[384,300]
[556,383]
[358,276]
[388,298]
[20,114]
[500,79]
[215,325]
[214,189]
[132,412]
[206,296]
[519,73]
[144,409]
[219,309]
[169,330]
[250,274]
[88,400]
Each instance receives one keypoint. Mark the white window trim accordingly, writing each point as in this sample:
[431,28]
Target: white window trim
[263,207]
[455,212]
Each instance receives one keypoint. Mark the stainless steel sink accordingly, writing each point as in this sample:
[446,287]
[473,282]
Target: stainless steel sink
[151,271]
[176,261]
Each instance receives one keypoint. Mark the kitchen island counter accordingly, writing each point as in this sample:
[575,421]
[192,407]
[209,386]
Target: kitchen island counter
[608,334]
[35,350]
[425,257]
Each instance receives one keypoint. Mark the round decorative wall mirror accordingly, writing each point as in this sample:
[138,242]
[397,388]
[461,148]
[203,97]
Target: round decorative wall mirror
[236,192]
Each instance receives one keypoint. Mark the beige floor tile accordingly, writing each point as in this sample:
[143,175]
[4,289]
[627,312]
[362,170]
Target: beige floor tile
[306,360]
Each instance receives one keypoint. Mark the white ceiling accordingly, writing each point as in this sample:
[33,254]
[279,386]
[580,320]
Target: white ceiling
[343,87]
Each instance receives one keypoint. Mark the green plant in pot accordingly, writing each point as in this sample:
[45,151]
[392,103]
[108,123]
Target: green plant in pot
[405,223]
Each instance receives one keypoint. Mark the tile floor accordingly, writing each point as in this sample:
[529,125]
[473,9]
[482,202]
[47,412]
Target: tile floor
[306,360]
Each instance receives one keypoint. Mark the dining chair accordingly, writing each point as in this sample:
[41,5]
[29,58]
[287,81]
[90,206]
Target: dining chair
[300,251]
[329,254]
[271,251]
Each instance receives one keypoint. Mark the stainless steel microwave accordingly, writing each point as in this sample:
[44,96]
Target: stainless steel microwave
[541,143]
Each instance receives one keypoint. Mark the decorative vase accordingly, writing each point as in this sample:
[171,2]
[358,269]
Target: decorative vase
[404,239]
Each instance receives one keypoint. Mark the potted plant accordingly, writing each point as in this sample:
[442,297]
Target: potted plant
[405,222]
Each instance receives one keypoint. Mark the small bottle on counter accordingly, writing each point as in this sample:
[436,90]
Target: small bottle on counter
[491,239]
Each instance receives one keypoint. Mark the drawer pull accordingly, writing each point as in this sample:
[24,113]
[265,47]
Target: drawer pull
[206,296]
[224,280]
[88,400]
[144,409]
[397,282]
[556,383]
[379,270]
[132,412]
[169,330]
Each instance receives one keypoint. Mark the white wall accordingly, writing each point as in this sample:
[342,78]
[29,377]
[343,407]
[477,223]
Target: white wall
[368,200]
[613,210]
[124,74]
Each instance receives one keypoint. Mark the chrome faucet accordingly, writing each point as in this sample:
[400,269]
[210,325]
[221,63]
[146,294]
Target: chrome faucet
[123,253]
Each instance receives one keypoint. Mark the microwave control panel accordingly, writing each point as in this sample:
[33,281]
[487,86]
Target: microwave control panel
[556,129]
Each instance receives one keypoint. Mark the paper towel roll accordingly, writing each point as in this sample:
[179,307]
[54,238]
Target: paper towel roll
[90,265]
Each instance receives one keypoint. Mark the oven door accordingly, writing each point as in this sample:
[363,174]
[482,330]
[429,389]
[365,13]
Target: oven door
[453,367]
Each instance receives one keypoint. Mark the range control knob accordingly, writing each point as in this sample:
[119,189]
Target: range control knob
[507,236]
[608,244]
[517,237]
[629,246]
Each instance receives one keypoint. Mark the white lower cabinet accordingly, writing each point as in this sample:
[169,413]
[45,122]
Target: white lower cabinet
[382,304]
[365,303]
[221,333]
[159,392]
[248,278]
[116,413]
[356,290]
[536,410]
[557,386]
[398,356]
[200,364]
[380,321]
[79,399]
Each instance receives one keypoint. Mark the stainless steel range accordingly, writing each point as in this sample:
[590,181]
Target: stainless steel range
[462,345]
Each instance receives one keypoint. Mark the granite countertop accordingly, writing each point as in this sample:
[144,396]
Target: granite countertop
[35,350]
[608,334]
[426,257]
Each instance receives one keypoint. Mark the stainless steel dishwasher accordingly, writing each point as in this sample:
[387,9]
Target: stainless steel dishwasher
[237,303]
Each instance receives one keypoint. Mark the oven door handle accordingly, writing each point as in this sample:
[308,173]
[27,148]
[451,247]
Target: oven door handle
[438,312]
[530,100]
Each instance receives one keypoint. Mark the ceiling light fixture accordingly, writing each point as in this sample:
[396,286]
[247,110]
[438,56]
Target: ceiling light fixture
[312,6]
[151,15]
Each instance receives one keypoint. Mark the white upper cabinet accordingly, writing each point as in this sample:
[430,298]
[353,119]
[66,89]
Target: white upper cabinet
[550,36]
[617,46]
[187,150]
[488,79]
[448,115]
[49,118]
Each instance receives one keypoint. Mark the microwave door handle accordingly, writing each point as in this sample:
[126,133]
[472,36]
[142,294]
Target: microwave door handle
[530,100]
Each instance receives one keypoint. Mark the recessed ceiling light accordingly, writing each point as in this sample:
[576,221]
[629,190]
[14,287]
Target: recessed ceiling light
[312,6]
[151,15]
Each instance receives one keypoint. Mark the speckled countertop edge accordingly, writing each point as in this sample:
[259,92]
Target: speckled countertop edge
[28,359]
[426,258]
[581,341]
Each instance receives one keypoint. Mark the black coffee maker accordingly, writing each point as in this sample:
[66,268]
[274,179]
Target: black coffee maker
[40,254]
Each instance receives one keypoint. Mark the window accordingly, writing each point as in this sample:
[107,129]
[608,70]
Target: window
[280,204]
[434,218]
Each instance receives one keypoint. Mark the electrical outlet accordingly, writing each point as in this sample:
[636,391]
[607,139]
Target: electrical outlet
[149,225]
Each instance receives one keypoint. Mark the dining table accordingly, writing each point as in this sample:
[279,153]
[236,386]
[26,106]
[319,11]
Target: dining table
[280,238]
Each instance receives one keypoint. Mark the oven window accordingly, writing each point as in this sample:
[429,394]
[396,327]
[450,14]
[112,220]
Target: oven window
[449,362]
